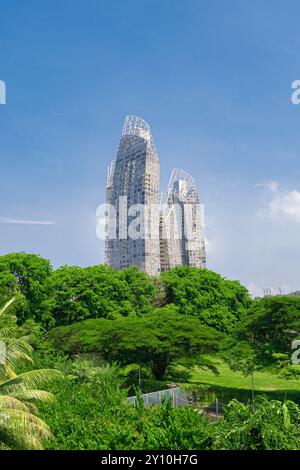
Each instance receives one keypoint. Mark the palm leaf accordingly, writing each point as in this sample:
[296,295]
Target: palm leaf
[6,306]
[39,395]
[22,430]
[31,380]
[7,402]
[19,427]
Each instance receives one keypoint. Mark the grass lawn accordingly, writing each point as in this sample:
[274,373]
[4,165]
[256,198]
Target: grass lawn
[263,381]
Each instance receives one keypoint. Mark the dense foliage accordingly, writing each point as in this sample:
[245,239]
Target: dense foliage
[156,340]
[20,428]
[92,413]
[261,425]
[70,294]
[25,276]
[263,338]
[76,294]
[130,324]
[216,301]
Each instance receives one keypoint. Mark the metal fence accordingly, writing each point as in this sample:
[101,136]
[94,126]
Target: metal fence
[156,397]
[214,410]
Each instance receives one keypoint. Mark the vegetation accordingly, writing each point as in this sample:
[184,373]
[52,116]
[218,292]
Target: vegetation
[77,294]
[264,380]
[157,340]
[263,337]
[20,428]
[91,413]
[261,425]
[216,301]
[98,330]
[71,294]
[24,276]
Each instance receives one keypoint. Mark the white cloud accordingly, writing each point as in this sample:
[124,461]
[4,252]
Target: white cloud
[271,186]
[280,203]
[7,220]
[286,203]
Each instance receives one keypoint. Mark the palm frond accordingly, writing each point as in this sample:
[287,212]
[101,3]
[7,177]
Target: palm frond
[38,395]
[34,379]
[9,373]
[8,402]
[6,306]
[22,430]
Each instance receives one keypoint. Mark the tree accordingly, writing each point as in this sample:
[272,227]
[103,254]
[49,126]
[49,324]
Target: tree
[157,340]
[216,301]
[24,276]
[268,329]
[240,356]
[143,289]
[20,428]
[77,293]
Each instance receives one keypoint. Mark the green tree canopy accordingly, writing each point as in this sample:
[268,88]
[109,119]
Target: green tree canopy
[266,333]
[216,301]
[25,276]
[157,340]
[71,293]
[98,291]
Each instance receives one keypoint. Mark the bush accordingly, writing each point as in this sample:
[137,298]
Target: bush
[262,425]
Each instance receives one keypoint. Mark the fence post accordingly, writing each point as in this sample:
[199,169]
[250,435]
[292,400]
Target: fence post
[217,407]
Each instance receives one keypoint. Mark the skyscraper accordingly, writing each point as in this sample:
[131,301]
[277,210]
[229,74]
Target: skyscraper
[181,224]
[133,192]
[152,231]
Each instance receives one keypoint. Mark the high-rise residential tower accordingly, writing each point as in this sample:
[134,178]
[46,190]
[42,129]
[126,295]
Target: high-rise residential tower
[181,224]
[143,228]
[133,198]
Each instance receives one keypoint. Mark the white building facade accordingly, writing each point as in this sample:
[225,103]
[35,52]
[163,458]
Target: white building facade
[143,228]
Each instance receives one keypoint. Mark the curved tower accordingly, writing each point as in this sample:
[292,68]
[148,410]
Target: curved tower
[133,192]
[182,224]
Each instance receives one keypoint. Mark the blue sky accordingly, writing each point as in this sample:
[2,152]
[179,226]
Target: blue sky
[212,78]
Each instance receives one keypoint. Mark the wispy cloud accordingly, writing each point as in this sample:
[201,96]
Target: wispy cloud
[280,203]
[8,220]
[270,185]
